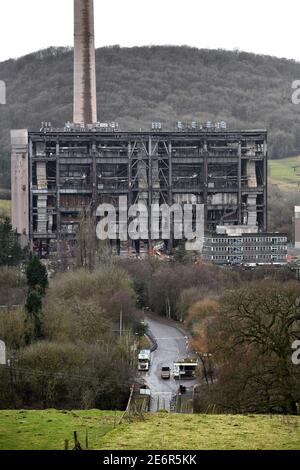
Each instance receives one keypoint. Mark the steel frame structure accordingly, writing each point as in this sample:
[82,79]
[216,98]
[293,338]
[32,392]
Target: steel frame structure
[224,170]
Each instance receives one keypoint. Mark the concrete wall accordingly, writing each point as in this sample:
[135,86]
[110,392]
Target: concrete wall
[85,100]
[20,181]
[236,230]
[223,199]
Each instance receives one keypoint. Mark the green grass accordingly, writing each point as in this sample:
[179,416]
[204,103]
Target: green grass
[5,206]
[284,174]
[48,430]
[206,432]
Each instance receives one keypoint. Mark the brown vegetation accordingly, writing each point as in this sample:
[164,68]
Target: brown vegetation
[251,340]
[81,360]
[12,286]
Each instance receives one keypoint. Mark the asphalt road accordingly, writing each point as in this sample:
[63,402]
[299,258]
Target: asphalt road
[172,345]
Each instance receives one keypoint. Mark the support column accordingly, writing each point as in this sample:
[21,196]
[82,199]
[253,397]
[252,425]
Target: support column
[130,187]
[171,241]
[129,153]
[30,172]
[94,177]
[265,209]
[150,188]
[205,184]
[58,205]
[240,221]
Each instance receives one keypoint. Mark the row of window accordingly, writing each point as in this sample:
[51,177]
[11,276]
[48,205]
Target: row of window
[236,241]
[230,249]
[249,258]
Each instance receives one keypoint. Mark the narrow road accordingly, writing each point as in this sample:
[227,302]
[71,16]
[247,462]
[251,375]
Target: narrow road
[172,345]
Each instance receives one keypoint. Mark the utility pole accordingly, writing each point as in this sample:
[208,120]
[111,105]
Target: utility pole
[121,323]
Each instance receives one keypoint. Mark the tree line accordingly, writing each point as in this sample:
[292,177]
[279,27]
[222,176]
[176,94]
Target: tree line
[64,342]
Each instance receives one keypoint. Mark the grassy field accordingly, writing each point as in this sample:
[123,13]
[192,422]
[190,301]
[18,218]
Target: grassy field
[162,431]
[48,430]
[206,432]
[284,174]
[5,208]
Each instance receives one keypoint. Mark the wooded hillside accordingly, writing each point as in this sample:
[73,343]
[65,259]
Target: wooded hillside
[139,85]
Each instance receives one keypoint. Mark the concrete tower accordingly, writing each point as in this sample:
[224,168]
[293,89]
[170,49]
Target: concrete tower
[20,182]
[85,100]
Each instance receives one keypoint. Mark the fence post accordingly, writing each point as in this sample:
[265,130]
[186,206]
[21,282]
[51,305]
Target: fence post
[77,443]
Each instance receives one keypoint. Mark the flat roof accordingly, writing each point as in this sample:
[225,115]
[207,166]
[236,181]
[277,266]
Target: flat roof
[254,235]
[122,134]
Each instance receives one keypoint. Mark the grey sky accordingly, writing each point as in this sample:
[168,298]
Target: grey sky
[260,26]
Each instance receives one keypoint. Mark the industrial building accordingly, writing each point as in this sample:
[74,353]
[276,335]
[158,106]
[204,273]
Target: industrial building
[57,173]
[229,248]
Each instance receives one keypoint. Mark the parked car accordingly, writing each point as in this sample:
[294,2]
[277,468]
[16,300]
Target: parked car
[165,373]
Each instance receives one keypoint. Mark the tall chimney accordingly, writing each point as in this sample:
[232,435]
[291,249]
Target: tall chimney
[85,100]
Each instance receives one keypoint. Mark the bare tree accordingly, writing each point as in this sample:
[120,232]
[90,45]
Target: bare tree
[252,343]
[86,240]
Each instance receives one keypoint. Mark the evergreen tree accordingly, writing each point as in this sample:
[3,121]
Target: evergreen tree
[141,328]
[37,281]
[11,254]
[34,310]
[37,277]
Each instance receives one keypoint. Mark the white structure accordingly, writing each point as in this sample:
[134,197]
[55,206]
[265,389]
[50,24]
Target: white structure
[297,227]
[2,353]
[20,182]
[2,92]
[236,230]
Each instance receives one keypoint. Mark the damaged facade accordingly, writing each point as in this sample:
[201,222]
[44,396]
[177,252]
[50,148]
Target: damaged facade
[56,174]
